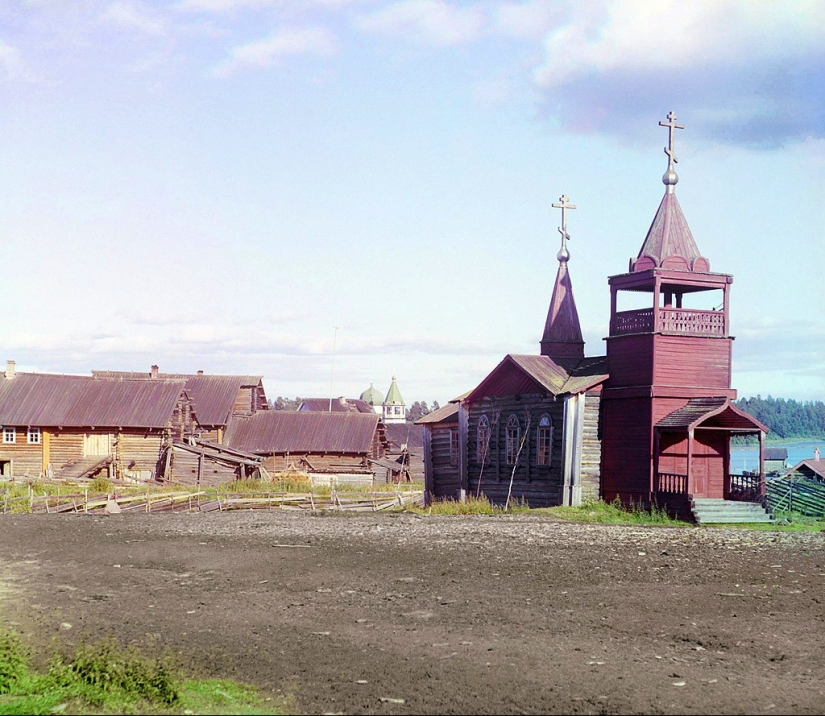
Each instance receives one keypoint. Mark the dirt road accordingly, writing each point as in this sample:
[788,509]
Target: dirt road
[396,614]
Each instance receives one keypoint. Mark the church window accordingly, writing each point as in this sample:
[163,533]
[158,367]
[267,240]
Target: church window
[454,447]
[483,435]
[544,441]
[513,435]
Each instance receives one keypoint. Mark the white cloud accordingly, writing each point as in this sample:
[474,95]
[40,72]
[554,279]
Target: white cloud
[134,16]
[762,62]
[429,21]
[527,20]
[640,35]
[11,64]
[269,51]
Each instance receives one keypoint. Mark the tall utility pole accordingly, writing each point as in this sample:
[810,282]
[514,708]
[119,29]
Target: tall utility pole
[332,373]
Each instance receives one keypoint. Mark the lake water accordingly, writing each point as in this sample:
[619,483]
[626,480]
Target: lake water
[746,457]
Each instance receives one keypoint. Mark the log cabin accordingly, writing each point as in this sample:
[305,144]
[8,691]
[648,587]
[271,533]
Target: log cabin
[217,397]
[74,427]
[331,447]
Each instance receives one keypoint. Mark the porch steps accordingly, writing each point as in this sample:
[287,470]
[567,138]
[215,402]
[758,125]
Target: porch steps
[708,510]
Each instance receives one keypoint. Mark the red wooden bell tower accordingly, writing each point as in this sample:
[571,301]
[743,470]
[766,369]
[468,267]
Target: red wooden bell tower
[666,410]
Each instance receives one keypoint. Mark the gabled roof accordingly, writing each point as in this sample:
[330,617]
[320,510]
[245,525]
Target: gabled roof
[323,405]
[775,453]
[562,337]
[449,413]
[45,400]
[214,395]
[409,434]
[517,374]
[815,466]
[710,413]
[669,242]
[282,431]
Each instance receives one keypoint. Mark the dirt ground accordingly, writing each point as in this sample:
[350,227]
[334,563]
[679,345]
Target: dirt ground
[397,614]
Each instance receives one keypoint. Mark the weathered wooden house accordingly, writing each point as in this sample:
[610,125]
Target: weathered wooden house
[775,460]
[217,397]
[812,469]
[76,426]
[650,423]
[329,446]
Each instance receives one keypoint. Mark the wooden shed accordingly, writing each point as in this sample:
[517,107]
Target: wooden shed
[333,446]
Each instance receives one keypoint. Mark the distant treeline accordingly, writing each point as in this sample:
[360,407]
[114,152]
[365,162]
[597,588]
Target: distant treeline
[787,419]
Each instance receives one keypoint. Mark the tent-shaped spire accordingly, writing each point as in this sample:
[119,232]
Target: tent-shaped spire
[669,243]
[562,336]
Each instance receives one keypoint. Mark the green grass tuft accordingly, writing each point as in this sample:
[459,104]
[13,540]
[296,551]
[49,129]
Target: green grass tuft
[105,678]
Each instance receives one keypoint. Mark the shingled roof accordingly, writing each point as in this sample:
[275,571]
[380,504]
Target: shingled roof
[214,395]
[710,412]
[532,374]
[282,431]
[48,400]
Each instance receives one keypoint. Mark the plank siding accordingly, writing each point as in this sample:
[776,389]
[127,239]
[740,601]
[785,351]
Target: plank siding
[140,451]
[692,361]
[627,448]
[630,360]
[446,476]
[591,448]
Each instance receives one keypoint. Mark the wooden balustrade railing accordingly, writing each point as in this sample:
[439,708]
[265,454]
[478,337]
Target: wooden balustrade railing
[671,320]
[745,488]
[671,482]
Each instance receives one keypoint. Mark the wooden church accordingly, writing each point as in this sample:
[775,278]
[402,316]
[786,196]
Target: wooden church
[650,423]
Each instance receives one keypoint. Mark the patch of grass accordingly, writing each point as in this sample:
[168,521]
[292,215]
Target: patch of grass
[105,678]
[472,506]
[611,513]
[785,522]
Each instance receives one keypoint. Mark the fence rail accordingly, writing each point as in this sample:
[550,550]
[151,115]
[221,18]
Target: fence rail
[201,501]
[797,494]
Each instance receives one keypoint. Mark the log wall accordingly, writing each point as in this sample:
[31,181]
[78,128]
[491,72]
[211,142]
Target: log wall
[538,486]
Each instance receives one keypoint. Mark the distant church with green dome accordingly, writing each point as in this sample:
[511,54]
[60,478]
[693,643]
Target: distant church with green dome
[391,408]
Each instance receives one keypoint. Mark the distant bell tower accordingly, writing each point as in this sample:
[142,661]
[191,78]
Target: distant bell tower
[667,415]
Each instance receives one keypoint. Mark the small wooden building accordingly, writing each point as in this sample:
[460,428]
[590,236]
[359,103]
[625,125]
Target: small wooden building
[331,447]
[775,460]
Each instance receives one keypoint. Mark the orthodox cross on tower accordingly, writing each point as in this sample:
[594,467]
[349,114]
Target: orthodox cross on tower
[670,178]
[564,205]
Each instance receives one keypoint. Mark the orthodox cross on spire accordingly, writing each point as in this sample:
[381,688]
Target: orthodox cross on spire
[564,204]
[670,178]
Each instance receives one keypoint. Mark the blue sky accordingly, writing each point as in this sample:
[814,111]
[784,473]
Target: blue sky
[219,184]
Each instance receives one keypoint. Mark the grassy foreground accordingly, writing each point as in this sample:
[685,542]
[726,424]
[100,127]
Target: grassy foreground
[107,679]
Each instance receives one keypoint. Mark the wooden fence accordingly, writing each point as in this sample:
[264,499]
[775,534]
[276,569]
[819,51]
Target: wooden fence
[201,501]
[796,494]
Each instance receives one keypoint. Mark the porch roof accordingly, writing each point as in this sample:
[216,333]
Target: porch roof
[717,413]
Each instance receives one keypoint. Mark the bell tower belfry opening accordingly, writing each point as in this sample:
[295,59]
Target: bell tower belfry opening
[667,411]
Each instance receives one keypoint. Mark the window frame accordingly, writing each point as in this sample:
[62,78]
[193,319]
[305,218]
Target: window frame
[544,441]
[483,439]
[512,438]
[9,432]
[34,436]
